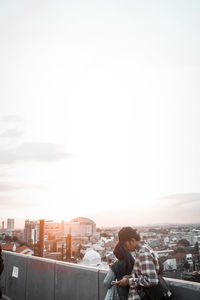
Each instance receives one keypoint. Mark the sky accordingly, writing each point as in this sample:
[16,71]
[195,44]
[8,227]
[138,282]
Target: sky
[100,111]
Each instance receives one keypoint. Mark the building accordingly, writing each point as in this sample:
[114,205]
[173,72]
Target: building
[31,232]
[164,253]
[170,264]
[166,240]
[196,238]
[154,243]
[24,250]
[180,258]
[52,230]
[80,227]
[18,233]
[6,232]
[9,247]
[10,224]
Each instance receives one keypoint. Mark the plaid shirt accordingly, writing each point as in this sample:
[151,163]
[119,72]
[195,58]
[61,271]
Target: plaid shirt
[145,270]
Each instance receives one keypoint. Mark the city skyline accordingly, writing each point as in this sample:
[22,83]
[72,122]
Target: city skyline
[100,111]
[21,223]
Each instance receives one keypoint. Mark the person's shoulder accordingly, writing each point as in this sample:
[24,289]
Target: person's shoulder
[145,250]
[144,247]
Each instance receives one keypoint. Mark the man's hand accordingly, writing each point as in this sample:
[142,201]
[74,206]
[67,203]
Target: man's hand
[123,282]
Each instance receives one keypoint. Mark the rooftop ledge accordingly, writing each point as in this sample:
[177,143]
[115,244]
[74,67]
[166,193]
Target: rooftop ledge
[31,278]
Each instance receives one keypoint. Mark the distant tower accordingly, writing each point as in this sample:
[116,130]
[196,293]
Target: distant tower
[10,224]
[3,224]
[41,241]
[69,246]
[62,227]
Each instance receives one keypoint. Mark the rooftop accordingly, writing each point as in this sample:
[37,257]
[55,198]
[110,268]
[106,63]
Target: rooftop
[31,278]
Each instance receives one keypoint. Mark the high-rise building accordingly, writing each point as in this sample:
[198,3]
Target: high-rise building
[37,233]
[10,224]
[31,232]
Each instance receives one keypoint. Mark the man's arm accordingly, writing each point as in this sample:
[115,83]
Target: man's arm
[149,276]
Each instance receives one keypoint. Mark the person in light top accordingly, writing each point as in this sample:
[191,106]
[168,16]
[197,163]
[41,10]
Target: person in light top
[120,268]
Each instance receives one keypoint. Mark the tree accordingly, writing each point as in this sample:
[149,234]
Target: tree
[79,254]
[179,250]
[184,242]
[196,248]
[15,239]
[104,234]
[8,238]
[186,265]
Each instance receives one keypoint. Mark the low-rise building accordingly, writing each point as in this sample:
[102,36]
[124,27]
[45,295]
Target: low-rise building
[180,258]
[9,247]
[169,264]
[24,250]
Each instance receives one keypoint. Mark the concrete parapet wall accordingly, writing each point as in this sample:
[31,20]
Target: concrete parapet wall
[184,290]
[45,279]
[40,279]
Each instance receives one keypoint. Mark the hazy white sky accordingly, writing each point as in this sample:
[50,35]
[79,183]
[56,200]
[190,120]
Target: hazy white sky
[100,110]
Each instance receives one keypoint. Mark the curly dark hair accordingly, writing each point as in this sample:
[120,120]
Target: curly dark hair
[127,233]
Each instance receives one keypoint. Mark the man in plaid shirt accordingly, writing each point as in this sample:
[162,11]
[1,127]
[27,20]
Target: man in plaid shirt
[146,266]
